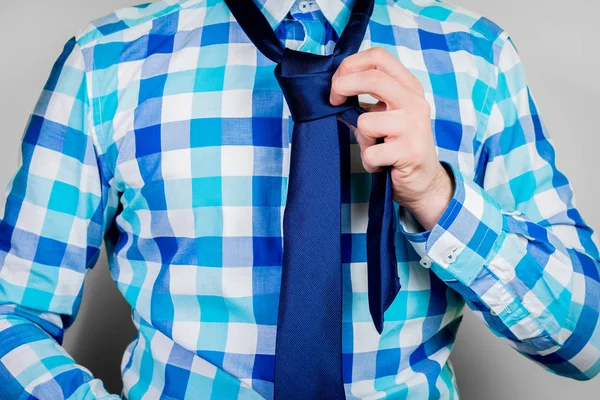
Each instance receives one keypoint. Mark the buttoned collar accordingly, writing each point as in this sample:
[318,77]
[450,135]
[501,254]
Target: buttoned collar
[337,12]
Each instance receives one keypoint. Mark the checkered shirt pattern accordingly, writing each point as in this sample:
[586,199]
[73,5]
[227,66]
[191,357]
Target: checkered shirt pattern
[162,132]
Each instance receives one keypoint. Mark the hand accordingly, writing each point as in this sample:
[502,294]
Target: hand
[402,118]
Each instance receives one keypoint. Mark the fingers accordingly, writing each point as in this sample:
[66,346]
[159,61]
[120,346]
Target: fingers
[374,82]
[401,117]
[380,59]
[381,155]
[387,125]
[390,124]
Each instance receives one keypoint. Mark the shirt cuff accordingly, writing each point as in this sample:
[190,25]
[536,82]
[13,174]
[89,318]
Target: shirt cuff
[460,243]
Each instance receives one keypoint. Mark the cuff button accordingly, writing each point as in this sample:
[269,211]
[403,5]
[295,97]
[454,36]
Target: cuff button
[425,262]
[450,256]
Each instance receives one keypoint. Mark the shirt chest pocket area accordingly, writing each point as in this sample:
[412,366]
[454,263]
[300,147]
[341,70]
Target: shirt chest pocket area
[194,185]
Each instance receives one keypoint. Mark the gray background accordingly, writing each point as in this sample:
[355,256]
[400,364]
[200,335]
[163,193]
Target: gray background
[558,43]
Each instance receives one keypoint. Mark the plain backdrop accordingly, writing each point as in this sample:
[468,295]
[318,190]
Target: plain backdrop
[558,42]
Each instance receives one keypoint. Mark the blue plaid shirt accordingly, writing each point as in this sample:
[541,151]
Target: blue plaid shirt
[163,131]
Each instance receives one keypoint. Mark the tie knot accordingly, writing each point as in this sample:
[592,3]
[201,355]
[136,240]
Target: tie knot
[305,80]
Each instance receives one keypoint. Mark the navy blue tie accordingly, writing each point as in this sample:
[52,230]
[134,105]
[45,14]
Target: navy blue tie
[308,354]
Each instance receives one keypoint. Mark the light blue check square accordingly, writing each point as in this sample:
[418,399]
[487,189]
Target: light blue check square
[207,105]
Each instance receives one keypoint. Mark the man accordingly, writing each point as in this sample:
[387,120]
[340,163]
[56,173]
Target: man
[163,129]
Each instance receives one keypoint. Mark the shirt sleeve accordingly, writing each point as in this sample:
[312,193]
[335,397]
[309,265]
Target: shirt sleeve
[58,205]
[512,243]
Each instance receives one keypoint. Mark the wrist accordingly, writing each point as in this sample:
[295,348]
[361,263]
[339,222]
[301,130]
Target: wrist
[431,206]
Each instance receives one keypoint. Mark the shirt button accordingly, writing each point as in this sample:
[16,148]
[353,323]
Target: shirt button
[304,6]
[425,262]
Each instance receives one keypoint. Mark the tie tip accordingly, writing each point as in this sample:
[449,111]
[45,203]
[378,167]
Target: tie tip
[378,326]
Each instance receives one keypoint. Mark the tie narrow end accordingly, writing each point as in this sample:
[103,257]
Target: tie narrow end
[378,308]
[379,327]
[383,279]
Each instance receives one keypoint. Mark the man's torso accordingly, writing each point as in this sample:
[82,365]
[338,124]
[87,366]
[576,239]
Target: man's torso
[195,135]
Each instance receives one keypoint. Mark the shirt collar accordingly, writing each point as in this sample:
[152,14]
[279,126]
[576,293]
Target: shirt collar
[337,12]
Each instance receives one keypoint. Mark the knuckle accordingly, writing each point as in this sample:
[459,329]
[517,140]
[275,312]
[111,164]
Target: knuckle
[345,66]
[368,158]
[378,52]
[373,54]
[363,123]
[417,83]
[424,106]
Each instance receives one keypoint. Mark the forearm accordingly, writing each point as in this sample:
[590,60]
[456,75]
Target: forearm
[530,286]
[32,362]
